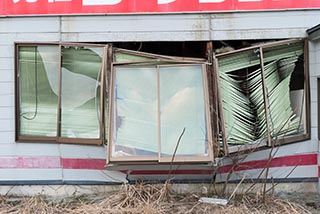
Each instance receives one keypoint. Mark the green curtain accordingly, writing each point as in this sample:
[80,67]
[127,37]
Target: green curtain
[242,92]
[38,88]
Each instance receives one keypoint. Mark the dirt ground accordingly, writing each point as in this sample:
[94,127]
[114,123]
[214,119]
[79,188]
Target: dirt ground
[146,198]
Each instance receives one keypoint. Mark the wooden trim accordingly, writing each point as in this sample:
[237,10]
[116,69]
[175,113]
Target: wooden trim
[37,43]
[79,140]
[111,116]
[102,81]
[58,43]
[159,57]
[266,45]
[265,96]
[59,94]
[207,112]
[134,159]
[211,82]
[37,139]
[307,89]
[220,106]
[291,139]
[159,112]
[158,60]
[188,159]
[16,91]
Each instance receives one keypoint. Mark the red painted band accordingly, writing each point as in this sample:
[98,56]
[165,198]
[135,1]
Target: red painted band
[296,160]
[99,164]
[77,163]
[50,7]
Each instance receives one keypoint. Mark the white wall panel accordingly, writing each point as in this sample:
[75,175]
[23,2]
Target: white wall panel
[29,149]
[93,175]
[82,151]
[6,88]
[276,172]
[7,63]
[6,125]
[8,39]
[7,100]
[136,23]
[30,174]
[30,24]
[6,76]
[7,137]
[7,51]
[7,112]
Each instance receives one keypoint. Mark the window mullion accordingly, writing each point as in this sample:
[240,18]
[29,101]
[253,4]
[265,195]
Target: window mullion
[159,114]
[207,112]
[59,95]
[265,96]
[221,113]
[103,68]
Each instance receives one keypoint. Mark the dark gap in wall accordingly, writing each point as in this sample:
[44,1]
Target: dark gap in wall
[182,49]
[297,78]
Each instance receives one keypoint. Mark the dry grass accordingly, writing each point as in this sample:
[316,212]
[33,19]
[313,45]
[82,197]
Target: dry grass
[145,199]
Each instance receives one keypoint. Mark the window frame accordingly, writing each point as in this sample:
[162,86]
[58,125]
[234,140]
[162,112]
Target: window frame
[158,159]
[58,138]
[211,82]
[264,143]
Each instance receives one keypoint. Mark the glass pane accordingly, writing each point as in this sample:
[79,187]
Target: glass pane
[182,105]
[135,131]
[80,92]
[284,73]
[38,88]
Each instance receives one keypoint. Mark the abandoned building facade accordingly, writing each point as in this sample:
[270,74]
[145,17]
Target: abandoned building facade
[95,93]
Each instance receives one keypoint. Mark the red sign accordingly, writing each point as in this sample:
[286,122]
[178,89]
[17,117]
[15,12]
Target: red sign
[50,7]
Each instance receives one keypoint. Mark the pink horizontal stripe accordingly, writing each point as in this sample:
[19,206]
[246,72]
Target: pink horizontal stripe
[30,162]
[51,162]
[99,164]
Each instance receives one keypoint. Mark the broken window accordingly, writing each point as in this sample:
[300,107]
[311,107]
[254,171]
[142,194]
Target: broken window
[263,95]
[159,109]
[59,93]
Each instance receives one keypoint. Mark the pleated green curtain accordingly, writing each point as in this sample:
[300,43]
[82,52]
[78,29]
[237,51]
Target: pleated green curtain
[242,92]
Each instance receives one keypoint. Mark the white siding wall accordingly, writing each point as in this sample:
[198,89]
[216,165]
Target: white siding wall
[174,27]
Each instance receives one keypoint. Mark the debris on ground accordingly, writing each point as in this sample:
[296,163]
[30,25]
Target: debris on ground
[149,199]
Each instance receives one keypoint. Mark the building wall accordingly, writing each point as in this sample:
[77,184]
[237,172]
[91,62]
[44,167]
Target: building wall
[40,163]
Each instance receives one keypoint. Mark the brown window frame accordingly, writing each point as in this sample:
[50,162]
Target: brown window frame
[213,103]
[58,138]
[179,61]
[266,143]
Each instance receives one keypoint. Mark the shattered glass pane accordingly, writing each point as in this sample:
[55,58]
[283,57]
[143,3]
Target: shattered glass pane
[80,92]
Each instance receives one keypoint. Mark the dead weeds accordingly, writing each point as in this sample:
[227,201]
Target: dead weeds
[147,199]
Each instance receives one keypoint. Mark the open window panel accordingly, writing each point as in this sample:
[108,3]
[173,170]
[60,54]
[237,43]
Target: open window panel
[158,109]
[59,91]
[264,95]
